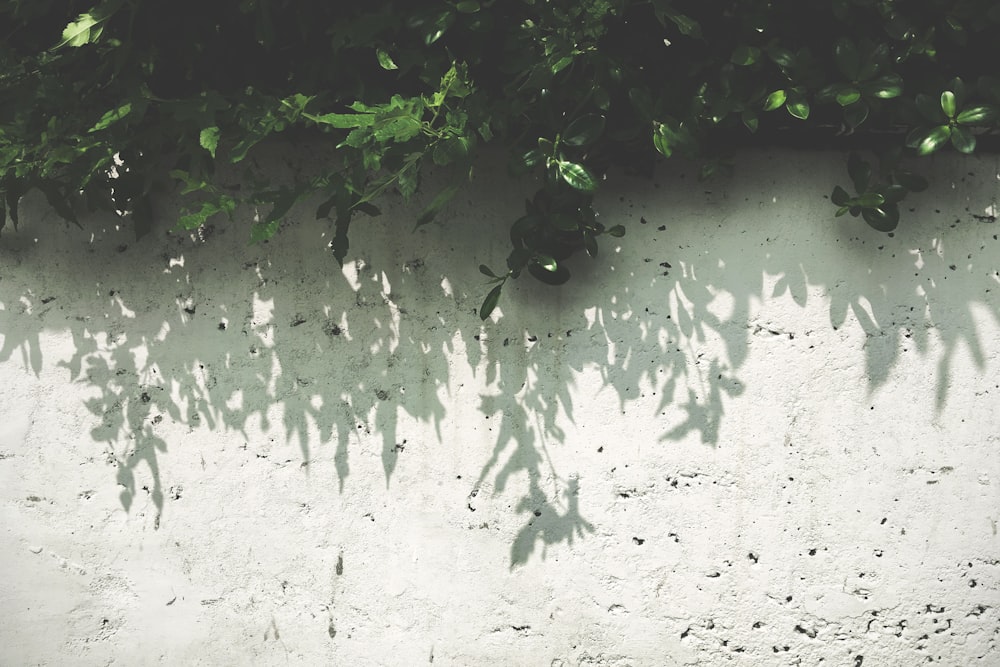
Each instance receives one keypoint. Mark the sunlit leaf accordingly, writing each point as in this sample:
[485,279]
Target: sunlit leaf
[385,60]
[209,139]
[577,176]
[933,139]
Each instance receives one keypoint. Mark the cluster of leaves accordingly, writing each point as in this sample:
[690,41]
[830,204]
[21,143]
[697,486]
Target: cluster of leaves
[103,103]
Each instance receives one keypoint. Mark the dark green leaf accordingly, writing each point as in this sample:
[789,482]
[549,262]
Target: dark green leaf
[869,200]
[963,140]
[885,87]
[745,55]
[467,7]
[687,25]
[848,96]
[884,219]
[783,58]
[978,115]
[797,105]
[584,130]
[750,119]
[111,117]
[642,103]
[490,302]
[845,53]
[485,270]
[855,114]
[590,244]
[564,222]
[933,139]
[577,176]
[930,108]
[661,142]
[617,231]
[893,194]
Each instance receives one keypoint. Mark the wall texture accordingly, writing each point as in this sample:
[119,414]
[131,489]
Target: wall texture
[748,434]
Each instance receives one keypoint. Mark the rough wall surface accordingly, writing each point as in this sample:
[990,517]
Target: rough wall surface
[748,434]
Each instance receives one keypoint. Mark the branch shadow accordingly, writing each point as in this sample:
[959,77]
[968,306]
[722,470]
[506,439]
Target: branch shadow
[273,344]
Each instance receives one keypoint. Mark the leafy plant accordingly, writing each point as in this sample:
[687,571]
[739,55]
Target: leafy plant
[103,105]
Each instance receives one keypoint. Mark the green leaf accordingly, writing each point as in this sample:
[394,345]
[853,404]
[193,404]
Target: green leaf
[963,140]
[745,55]
[84,30]
[617,231]
[490,302]
[839,196]
[467,7]
[209,139]
[848,96]
[385,60]
[262,231]
[930,108]
[436,204]
[894,194]
[577,176]
[860,172]
[884,219]
[885,87]
[948,103]
[564,222]
[750,119]
[933,139]
[783,58]
[546,262]
[855,114]
[775,100]
[978,115]
[870,200]
[845,53]
[687,25]
[485,270]
[343,120]
[584,130]
[590,244]
[797,106]
[111,117]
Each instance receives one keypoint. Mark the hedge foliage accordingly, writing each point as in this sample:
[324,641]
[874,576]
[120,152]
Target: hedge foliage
[102,104]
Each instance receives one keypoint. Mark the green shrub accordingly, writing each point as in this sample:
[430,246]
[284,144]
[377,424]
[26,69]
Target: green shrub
[101,103]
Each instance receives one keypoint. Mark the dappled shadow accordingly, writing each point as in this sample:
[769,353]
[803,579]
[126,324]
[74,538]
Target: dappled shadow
[279,348]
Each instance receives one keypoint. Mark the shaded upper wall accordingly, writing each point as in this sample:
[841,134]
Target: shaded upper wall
[204,330]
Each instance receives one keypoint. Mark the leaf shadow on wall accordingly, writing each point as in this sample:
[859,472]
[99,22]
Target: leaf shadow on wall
[275,339]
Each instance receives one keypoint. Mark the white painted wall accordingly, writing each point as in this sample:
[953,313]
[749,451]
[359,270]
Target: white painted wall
[782,450]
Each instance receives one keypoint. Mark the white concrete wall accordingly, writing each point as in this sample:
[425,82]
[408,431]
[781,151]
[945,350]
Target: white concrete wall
[784,449]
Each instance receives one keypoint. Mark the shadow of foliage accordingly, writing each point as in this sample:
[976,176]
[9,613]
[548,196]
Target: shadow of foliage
[273,344]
